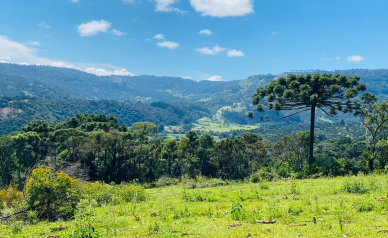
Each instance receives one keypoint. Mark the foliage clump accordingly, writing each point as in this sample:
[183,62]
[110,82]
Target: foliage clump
[360,185]
[52,195]
[10,196]
[113,194]
[264,174]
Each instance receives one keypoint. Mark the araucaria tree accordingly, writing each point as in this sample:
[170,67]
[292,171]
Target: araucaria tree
[300,93]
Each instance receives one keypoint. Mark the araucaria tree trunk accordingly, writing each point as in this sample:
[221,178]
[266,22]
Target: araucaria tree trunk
[311,144]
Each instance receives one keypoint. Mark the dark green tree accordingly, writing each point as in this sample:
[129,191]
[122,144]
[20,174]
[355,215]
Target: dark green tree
[301,93]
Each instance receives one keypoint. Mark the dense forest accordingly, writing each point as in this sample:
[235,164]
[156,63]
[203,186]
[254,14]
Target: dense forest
[18,111]
[104,150]
[67,128]
[187,100]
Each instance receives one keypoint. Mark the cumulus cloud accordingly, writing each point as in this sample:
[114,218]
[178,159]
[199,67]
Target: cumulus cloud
[104,72]
[223,8]
[168,44]
[210,51]
[159,37]
[235,53]
[206,32]
[93,28]
[166,6]
[355,58]
[215,78]
[44,25]
[117,33]
[14,52]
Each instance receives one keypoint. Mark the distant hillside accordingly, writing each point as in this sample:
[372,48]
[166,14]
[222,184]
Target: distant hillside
[17,112]
[46,81]
[375,79]
[55,94]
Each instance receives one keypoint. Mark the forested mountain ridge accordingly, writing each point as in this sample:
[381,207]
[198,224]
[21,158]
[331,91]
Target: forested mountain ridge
[55,110]
[46,81]
[61,93]
[375,79]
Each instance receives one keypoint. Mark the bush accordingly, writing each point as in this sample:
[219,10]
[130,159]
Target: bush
[85,226]
[263,175]
[10,196]
[52,196]
[355,185]
[203,182]
[166,181]
[104,193]
[285,170]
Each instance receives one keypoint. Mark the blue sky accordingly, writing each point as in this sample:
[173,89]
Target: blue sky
[162,37]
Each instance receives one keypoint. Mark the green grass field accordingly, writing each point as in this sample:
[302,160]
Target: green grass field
[325,207]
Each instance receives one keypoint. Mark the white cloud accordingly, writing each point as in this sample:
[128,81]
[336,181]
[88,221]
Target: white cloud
[33,43]
[211,51]
[93,27]
[118,33]
[206,32]
[223,8]
[148,39]
[235,53]
[43,24]
[215,78]
[14,52]
[165,6]
[337,58]
[159,37]
[274,33]
[5,59]
[104,72]
[74,0]
[355,58]
[168,44]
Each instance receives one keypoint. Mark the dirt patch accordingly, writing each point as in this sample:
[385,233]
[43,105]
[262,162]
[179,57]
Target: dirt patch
[9,112]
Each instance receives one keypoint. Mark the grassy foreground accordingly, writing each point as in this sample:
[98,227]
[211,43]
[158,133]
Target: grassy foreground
[325,207]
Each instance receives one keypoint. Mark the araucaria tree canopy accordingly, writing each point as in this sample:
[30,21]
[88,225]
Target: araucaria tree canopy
[300,93]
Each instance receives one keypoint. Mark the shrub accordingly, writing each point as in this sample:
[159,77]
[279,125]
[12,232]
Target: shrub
[203,182]
[10,196]
[285,170]
[104,193]
[84,226]
[17,227]
[263,175]
[52,195]
[166,181]
[356,185]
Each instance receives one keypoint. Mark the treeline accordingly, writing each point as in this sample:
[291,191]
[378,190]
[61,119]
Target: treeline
[55,110]
[275,132]
[110,152]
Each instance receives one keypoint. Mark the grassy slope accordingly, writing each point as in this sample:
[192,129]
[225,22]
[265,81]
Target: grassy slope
[292,204]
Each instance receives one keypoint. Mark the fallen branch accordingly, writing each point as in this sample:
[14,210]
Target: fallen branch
[16,213]
[304,224]
[266,222]
[234,225]
[383,231]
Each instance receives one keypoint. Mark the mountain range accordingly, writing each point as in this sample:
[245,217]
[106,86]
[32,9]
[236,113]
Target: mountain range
[30,92]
